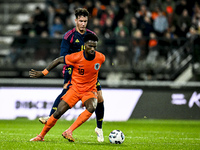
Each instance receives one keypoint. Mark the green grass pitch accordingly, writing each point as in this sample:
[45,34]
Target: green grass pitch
[139,134]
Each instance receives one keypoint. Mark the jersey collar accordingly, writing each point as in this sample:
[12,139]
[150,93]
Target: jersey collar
[90,58]
[80,33]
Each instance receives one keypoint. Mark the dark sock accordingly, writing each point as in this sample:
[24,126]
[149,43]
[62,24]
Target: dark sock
[99,114]
[57,101]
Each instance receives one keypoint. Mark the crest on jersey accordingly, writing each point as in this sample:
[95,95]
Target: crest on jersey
[96,66]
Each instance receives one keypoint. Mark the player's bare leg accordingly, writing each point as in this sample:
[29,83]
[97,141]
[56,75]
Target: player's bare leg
[90,105]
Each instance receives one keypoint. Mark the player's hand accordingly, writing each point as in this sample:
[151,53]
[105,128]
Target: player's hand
[35,74]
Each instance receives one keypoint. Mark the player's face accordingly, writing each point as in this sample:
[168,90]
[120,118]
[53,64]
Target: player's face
[90,47]
[81,23]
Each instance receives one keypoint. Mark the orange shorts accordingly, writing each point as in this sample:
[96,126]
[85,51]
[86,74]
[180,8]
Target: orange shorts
[72,97]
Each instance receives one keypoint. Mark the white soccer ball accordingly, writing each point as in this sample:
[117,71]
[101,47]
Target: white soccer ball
[116,137]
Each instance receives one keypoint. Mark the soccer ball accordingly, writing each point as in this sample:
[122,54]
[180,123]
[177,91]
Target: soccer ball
[116,137]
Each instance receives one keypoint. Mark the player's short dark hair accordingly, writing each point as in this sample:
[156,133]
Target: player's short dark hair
[81,12]
[91,37]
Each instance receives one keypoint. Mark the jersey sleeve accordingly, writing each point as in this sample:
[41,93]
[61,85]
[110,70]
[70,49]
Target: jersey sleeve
[65,44]
[71,59]
[64,48]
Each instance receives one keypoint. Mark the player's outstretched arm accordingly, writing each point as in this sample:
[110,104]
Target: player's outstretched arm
[36,74]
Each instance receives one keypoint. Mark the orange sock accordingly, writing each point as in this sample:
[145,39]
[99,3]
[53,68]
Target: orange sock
[50,123]
[85,115]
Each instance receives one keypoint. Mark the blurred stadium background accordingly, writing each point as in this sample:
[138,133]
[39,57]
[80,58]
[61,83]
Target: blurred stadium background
[152,49]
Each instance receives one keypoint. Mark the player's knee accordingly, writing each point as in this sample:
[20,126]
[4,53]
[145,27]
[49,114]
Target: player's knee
[91,105]
[57,114]
[62,108]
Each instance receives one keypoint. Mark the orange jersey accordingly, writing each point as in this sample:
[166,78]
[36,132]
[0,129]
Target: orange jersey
[85,72]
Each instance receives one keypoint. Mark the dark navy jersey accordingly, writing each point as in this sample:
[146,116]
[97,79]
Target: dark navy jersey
[73,42]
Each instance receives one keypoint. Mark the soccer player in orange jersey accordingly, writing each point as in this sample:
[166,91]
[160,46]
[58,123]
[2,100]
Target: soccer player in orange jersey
[86,65]
[73,41]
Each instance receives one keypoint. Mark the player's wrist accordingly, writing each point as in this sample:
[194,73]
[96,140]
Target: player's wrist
[45,72]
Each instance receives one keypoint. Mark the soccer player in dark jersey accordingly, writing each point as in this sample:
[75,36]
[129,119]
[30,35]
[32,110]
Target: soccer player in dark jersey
[73,41]
[86,65]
